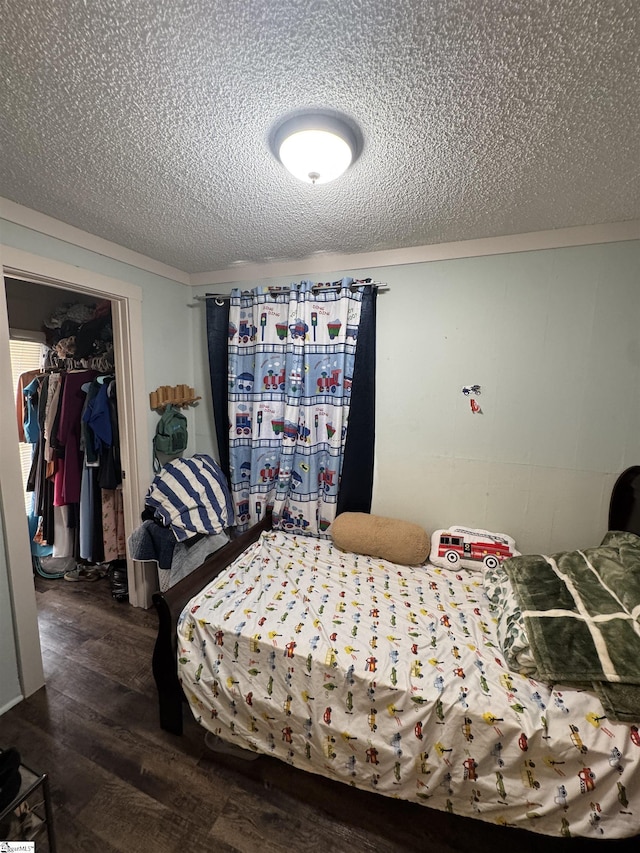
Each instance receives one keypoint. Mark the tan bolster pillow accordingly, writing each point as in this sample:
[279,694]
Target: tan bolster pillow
[375,536]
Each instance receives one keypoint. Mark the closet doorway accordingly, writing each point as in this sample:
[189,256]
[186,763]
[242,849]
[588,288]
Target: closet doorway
[68,283]
[58,335]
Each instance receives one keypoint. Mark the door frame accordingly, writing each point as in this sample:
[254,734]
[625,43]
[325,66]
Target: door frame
[126,302]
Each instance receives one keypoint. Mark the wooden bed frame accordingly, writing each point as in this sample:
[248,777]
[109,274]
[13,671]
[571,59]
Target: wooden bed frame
[170,605]
[624,514]
[624,507]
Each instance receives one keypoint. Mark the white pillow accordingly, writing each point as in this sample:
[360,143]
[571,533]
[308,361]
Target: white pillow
[470,548]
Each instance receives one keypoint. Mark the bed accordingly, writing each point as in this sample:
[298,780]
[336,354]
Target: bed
[391,679]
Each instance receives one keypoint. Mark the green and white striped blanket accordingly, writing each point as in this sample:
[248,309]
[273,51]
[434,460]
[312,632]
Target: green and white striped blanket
[581,611]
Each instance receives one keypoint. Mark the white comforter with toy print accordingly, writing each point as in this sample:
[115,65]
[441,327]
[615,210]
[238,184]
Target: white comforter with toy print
[391,678]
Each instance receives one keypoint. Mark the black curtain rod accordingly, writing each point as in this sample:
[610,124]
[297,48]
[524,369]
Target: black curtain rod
[320,287]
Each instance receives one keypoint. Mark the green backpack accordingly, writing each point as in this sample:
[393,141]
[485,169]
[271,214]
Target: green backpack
[171,435]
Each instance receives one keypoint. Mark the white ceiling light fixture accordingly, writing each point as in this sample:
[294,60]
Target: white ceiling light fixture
[315,147]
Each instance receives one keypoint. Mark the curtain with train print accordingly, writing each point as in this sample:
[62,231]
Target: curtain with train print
[290,378]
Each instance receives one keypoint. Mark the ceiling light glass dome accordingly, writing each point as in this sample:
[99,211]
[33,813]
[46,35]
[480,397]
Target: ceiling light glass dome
[315,148]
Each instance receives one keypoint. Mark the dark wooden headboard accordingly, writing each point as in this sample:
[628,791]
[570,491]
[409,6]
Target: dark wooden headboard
[170,605]
[624,509]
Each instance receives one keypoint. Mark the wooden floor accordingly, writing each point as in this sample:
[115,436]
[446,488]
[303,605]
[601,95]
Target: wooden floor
[121,784]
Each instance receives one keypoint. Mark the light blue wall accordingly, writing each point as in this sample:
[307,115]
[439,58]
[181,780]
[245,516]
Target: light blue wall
[553,338]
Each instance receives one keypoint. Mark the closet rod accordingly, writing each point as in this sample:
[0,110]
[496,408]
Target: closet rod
[278,290]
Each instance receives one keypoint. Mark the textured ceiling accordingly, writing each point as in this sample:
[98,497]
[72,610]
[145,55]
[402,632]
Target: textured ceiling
[147,121]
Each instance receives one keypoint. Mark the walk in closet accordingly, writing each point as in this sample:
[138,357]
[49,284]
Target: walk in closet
[67,414]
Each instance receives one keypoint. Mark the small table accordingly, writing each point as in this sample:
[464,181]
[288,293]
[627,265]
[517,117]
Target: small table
[40,813]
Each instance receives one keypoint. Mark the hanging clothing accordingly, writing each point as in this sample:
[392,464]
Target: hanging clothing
[113,535]
[53,400]
[72,516]
[63,538]
[69,473]
[101,512]
[74,461]
[32,394]
[97,417]
[87,514]
[87,443]
[36,395]
[34,399]
[110,475]
[24,381]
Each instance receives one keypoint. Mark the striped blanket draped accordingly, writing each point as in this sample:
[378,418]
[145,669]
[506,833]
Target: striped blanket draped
[191,496]
[581,610]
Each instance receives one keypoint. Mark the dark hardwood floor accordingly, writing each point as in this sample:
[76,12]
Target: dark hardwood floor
[122,785]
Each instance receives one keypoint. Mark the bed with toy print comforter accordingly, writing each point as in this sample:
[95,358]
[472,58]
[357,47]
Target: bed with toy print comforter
[391,678]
